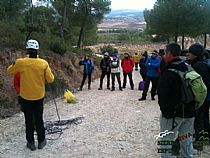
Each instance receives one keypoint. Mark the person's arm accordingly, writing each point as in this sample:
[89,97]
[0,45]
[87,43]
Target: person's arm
[122,63]
[49,75]
[92,65]
[101,64]
[156,64]
[132,63]
[81,62]
[14,68]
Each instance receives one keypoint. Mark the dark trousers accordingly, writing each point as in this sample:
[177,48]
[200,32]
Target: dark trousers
[154,81]
[33,112]
[130,79]
[102,78]
[202,122]
[143,75]
[118,80]
[84,78]
[136,66]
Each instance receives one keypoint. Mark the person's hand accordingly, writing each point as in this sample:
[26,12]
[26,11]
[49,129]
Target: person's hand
[149,64]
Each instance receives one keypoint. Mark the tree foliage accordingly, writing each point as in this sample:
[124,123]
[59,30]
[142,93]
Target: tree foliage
[172,18]
[61,22]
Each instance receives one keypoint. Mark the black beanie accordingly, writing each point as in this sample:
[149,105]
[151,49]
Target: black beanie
[196,49]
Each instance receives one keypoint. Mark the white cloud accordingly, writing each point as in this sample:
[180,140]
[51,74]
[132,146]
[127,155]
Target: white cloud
[132,4]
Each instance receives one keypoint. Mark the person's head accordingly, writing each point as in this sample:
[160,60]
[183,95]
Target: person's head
[136,53]
[126,55]
[205,54]
[32,46]
[161,52]
[114,56]
[86,57]
[154,54]
[172,51]
[106,55]
[145,53]
[195,52]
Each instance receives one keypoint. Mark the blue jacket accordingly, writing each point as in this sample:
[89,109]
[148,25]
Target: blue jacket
[152,66]
[88,66]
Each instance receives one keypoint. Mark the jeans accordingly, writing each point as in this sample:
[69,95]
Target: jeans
[118,79]
[183,130]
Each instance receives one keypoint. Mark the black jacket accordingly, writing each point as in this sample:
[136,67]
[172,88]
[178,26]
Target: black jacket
[201,68]
[105,65]
[169,93]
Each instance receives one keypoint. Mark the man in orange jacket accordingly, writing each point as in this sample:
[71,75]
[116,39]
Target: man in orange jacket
[34,72]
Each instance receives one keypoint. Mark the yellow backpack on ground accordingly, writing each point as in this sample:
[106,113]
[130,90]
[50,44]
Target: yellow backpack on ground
[70,96]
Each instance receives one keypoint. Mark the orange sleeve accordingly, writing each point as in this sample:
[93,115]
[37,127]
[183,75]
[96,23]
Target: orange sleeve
[16,82]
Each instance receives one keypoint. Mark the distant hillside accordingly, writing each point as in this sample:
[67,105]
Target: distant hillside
[136,15]
[122,20]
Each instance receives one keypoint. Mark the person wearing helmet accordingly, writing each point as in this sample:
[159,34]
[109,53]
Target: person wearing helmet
[34,72]
[105,70]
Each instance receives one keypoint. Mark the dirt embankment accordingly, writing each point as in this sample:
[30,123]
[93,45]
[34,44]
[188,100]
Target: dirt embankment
[66,69]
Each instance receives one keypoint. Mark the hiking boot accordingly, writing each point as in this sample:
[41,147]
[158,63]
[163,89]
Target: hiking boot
[42,144]
[141,99]
[112,89]
[120,89]
[108,88]
[99,88]
[197,146]
[132,88]
[123,87]
[31,146]
[89,88]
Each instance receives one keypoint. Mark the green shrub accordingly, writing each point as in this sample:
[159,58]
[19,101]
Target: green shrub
[108,49]
[56,88]
[58,47]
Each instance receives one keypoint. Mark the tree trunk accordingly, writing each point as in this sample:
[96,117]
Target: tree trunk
[182,41]
[205,38]
[168,40]
[81,34]
[63,18]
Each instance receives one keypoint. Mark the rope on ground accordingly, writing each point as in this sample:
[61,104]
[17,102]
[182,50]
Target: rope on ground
[56,127]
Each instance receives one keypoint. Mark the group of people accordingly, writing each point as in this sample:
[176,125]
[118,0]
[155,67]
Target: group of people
[110,67]
[32,73]
[183,119]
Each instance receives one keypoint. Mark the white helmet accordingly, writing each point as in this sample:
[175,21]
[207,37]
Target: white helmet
[32,44]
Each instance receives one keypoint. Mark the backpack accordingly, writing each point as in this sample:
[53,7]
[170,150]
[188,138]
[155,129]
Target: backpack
[193,87]
[141,85]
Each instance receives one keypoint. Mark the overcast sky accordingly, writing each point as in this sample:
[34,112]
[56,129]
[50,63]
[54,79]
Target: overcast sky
[131,4]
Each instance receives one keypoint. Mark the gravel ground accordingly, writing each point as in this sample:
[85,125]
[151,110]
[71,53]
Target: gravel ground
[115,125]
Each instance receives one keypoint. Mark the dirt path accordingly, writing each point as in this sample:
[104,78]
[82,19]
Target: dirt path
[115,125]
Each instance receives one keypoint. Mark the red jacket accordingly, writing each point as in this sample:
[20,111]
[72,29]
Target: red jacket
[127,65]
[16,82]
